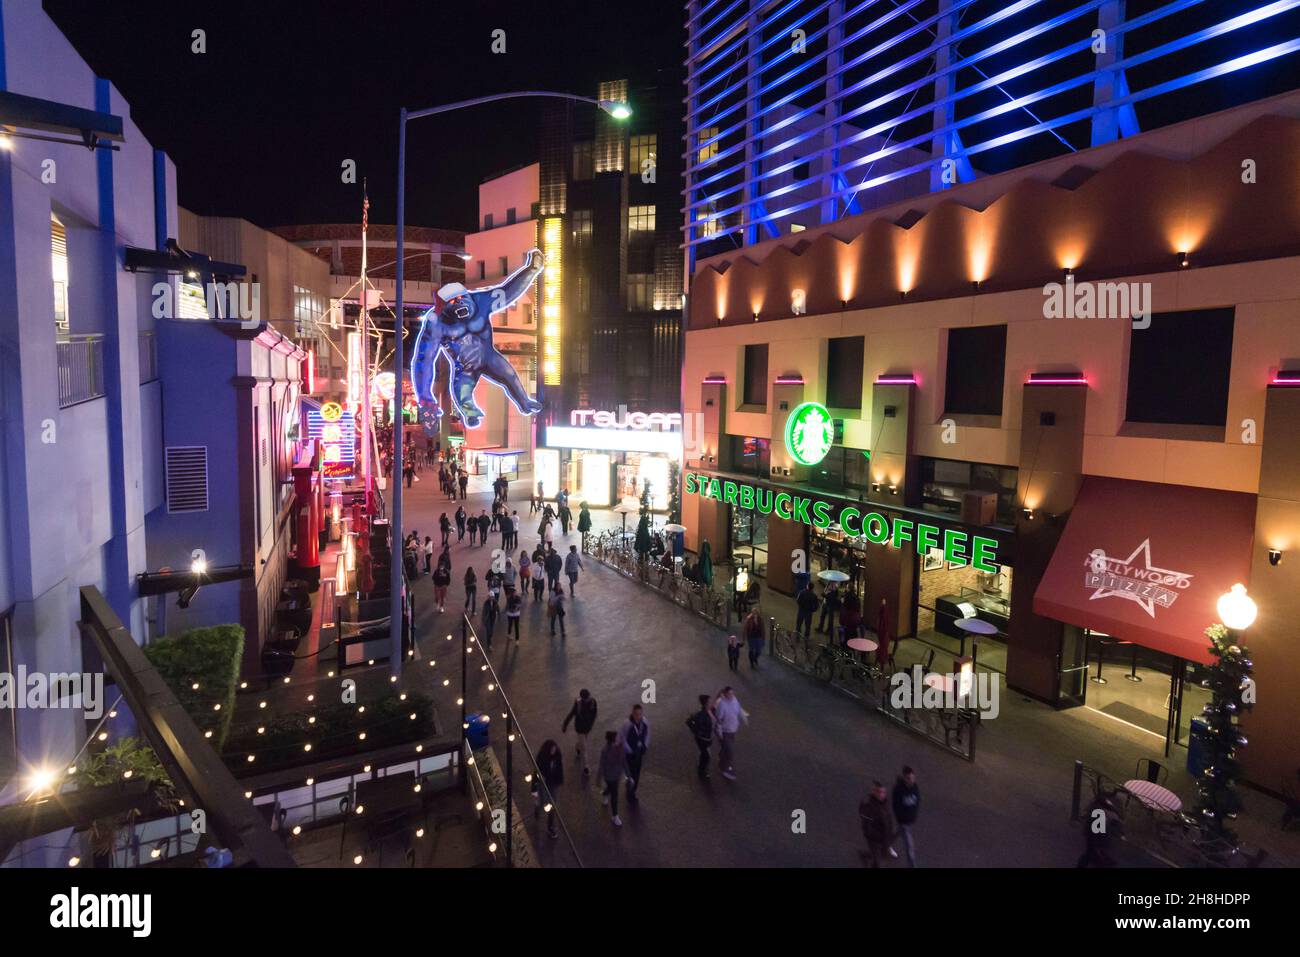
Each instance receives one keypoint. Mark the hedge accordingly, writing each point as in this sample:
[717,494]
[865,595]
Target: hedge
[210,657]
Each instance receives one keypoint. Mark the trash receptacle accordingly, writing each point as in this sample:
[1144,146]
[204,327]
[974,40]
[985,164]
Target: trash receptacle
[477,732]
[1198,745]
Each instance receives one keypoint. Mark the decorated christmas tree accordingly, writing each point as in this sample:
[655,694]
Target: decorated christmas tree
[1232,691]
[674,492]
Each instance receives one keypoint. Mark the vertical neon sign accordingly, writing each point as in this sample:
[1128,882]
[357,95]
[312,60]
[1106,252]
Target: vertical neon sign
[552,239]
[355,360]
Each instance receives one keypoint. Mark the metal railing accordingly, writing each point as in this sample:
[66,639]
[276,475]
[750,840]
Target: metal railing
[81,369]
[613,551]
[1172,838]
[148,357]
[516,777]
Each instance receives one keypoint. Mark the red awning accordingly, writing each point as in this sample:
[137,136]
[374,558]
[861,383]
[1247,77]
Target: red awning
[1147,563]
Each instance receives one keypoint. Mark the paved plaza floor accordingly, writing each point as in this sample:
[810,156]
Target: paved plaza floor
[803,761]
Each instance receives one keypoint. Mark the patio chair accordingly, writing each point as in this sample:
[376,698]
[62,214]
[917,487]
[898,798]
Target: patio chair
[1153,771]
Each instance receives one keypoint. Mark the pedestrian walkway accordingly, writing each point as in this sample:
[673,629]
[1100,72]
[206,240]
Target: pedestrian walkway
[803,761]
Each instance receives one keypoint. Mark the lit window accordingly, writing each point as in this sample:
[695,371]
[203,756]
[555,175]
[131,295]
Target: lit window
[581,222]
[709,150]
[59,251]
[642,151]
[640,291]
[641,219]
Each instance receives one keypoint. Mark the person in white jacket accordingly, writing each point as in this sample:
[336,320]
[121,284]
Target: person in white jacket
[729,715]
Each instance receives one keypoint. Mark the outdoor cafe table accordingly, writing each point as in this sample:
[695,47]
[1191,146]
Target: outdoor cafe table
[862,644]
[1154,795]
[974,626]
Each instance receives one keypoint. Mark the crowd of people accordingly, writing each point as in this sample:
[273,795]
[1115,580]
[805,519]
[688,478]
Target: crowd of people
[515,577]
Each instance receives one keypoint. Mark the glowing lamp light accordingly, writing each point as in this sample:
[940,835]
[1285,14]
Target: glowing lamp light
[40,780]
[617,109]
[742,580]
[1237,610]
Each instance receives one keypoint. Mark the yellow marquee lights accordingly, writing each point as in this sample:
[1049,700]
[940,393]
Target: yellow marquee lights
[552,279]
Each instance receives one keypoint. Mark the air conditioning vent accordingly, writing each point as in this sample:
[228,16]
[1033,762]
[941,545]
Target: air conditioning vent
[187,478]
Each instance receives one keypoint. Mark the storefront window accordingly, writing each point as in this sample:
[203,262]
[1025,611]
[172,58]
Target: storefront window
[749,539]
[750,455]
[947,594]
[945,485]
[842,469]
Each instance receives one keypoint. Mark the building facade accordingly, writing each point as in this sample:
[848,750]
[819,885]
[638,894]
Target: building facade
[82,414]
[609,217]
[1091,374]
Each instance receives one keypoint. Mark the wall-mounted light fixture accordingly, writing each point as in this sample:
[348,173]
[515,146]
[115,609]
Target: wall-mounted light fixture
[1274,557]
[892,378]
[902,295]
[893,490]
[1286,377]
[1183,261]
[844,304]
[756,317]
[1056,378]
[1029,514]
[875,486]
[1067,272]
[975,285]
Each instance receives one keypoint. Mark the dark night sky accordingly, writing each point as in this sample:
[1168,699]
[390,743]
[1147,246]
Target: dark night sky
[259,125]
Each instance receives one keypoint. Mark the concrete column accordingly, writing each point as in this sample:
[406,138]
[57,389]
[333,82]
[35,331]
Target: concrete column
[1273,754]
[892,461]
[1050,475]
[786,397]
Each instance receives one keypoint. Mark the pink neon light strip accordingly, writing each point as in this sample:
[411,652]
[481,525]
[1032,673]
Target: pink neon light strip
[896,380]
[714,380]
[787,380]
[1034,379]
[1286,377]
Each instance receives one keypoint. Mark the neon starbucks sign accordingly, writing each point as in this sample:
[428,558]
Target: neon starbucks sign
[809,433]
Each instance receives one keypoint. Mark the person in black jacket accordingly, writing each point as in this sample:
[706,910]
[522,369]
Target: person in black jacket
[583,716]
[460,524]
[701,724]
[807,603]
[550,763]
[906,802]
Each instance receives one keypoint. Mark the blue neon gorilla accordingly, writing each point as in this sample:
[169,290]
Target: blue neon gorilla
[462,330]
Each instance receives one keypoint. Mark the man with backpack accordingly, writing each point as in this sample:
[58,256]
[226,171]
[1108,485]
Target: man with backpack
[583,716]
[701,725]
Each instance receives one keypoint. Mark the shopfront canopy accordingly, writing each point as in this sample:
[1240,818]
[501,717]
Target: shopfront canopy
[1146,562]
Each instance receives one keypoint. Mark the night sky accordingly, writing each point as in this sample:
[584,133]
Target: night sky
[259,124]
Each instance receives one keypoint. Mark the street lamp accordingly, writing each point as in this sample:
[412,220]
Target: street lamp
[619,110]
[1236,609]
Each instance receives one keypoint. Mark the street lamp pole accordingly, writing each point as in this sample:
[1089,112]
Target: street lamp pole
[619,110]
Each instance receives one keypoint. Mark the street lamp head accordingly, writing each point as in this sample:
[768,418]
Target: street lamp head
[616,108]
[1236,609]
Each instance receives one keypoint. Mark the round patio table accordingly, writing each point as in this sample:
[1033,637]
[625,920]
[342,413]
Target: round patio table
[1154,795]
[974,626]
[861,644]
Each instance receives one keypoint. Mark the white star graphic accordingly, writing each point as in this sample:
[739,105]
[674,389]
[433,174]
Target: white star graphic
[1099,562]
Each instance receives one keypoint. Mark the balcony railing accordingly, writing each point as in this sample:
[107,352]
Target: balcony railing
[81,369]
[148,357]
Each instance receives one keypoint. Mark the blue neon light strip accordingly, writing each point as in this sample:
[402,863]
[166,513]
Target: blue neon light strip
[722,69]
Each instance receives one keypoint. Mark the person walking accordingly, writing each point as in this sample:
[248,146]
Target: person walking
[583,716]
[572,565]
[548,533]
[701,725]
[753,629]
[906,805]
[460,523]
[532,505]
[510,577]
[555,610]
[636,742]
[830,609]
[408,472]
[806,601]
[463,481]
[539,578]
[514,606]
[471,591]
[491,611]
[877,823]
[507,527]
[496,514]
[514,529]
[554,565]
[441,579]
[613,769]
[550,765]
[444,526]
[472,523]
[850,618]
[565,517]
[729,716]
[733,652]
[428,555]
[525,572]
[484,524]
[584,524]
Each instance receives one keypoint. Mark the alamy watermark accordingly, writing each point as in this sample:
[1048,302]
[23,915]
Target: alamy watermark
[936,690]
[45,691]
[1098,300]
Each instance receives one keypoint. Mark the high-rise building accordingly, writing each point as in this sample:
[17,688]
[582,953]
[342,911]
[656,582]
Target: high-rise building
[611,309]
